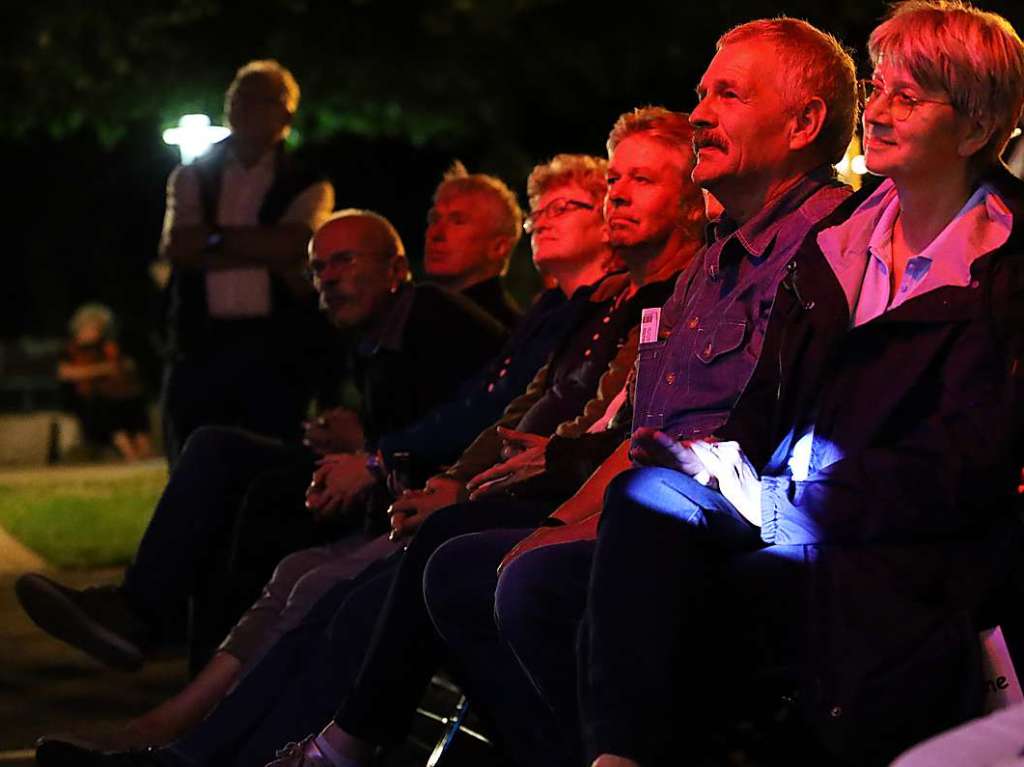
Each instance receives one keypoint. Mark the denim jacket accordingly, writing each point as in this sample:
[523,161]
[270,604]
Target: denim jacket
[713,328]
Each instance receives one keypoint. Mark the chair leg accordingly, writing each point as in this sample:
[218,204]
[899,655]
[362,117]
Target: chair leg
[451,727]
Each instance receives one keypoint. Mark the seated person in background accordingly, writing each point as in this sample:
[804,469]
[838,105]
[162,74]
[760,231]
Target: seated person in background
[361,274]
[466,257]
[105,390]
[472,231]
[742,343]
[576,260]
[851,568]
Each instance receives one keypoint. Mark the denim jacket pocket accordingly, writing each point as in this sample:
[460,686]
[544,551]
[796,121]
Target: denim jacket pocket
[648,369]
[725,337]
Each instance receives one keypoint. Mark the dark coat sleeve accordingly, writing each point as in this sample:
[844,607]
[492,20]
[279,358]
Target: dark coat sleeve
[443,433]
[446,339]
[940,477]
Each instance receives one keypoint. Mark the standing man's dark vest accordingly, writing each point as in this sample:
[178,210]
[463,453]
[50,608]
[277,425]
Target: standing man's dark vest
[191,330]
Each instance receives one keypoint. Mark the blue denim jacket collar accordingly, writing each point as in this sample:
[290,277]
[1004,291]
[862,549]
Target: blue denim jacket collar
[757,234]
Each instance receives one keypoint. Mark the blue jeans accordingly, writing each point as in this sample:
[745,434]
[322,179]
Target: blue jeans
[662,610]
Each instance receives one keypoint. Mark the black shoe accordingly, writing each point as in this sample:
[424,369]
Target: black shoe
[59,751]
[97,621]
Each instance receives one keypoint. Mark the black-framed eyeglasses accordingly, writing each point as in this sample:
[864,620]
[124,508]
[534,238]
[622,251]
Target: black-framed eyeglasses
[554,209]
[338,260]
[900,103]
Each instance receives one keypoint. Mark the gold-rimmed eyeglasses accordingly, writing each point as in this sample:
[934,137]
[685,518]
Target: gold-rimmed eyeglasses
[901,104]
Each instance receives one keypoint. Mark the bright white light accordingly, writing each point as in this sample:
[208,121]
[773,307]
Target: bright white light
[843,165]
[858,166]
[1016,132]
[194,136]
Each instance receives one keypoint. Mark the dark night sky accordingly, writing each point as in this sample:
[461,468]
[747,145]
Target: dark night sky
[391,94]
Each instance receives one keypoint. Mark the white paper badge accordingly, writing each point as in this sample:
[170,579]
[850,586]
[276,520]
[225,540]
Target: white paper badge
[650,322]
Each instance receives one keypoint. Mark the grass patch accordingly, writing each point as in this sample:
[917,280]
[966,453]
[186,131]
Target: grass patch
[81,519]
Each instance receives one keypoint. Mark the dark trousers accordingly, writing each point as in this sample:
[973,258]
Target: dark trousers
[248,384]
[657,627]
[186,550]
[405,651]
[459,587]
[368,643]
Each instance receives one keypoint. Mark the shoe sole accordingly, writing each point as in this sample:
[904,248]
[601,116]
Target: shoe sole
[52,611]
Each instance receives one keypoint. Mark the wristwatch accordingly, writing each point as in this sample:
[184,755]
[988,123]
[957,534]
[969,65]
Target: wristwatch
[214,241]
[375,465]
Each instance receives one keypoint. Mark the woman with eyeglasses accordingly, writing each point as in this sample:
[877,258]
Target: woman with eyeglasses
[903,506]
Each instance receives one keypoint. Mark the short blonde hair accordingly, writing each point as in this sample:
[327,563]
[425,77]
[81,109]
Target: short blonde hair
[974,56]
[812,63]
[674,130]
[587,171]
[290,92]
[460,181]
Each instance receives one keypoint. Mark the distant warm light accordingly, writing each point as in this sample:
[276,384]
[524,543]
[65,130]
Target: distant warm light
[851,167]
[194,136]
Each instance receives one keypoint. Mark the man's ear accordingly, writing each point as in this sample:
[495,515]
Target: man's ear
[975,133]
[398,270]
[501,248]
[807,124]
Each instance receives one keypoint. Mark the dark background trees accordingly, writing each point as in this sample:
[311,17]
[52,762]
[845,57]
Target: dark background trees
[392,93]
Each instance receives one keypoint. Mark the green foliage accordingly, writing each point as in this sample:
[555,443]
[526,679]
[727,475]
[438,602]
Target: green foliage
[428,70]
[81,520]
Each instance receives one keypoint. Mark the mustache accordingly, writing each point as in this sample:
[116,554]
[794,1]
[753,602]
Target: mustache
[703,137]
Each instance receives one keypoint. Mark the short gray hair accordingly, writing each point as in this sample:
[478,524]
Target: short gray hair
[815,64]
[975,56]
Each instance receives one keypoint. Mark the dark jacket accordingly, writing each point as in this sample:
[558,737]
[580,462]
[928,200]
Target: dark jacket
[431,342]
[438,437]
[584,371]
[493,297]
[906,522]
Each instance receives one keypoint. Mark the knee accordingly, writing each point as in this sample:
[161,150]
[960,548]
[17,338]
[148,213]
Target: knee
[441,577]
[646,494]
[208,443]
[291,570]
[518,594]
[631,487]
[438,528]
